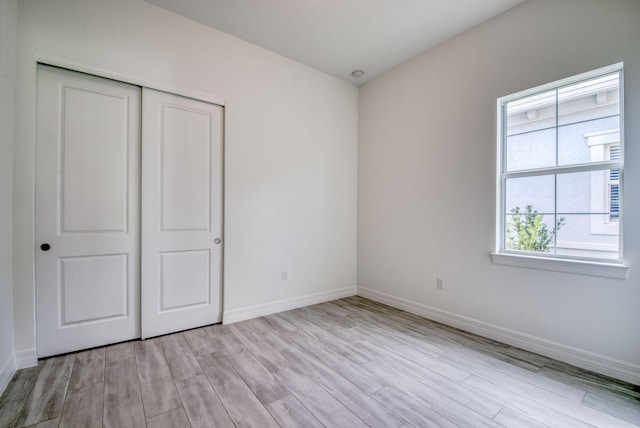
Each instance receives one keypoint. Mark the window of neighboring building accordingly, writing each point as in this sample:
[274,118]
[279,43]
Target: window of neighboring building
[560,169]
[613,185]
[605,185]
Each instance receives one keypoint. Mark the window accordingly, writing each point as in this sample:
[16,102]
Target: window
[560,172]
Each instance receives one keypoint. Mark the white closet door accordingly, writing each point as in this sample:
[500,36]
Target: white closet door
[87,211]
[181,258]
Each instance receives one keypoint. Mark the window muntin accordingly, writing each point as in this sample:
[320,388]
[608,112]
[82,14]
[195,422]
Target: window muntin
[552,186]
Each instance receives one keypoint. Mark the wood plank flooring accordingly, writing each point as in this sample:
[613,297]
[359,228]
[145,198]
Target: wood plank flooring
[347,363]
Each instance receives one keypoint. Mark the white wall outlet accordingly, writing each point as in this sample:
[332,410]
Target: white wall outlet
[285,276]
[440,283]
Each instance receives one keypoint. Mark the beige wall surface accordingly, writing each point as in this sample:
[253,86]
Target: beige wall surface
[8,21]
[427,180]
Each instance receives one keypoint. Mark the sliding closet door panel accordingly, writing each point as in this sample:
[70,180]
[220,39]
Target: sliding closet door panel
[87,211]
[181,213]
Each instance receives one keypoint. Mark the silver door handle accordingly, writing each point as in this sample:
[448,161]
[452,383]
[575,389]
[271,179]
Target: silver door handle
[217,240]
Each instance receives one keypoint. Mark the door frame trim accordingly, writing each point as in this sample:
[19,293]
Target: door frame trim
[56,61]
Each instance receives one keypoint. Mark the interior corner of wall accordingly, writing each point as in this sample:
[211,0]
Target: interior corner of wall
[6,372]
[25,358]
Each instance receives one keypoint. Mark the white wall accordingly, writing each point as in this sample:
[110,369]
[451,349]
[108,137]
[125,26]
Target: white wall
[8,21]
[427,150]
[291,146]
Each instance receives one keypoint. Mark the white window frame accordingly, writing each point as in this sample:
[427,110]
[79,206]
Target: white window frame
[554,262]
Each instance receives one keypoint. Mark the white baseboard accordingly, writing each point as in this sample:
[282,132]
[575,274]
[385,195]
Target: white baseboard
[255,311]
[602,364]
[26,358]
[6,372]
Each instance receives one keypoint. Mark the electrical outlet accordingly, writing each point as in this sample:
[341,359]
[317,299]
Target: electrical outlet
[440,283]
[285,276]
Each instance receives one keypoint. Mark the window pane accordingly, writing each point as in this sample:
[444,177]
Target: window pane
[575,237]
[582,192]
[574,145]
[531,150]
[537,192]
[589,193]
[529,231]
[532,113]
[530,131]
[589,99]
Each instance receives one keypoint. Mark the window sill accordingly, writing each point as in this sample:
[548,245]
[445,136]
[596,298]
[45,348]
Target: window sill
[606,270]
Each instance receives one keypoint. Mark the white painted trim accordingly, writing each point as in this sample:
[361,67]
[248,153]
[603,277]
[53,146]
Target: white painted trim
[608,366]
[255,311]
[6,372]
[599,138]
[56,61]
[26,358]
[582,267]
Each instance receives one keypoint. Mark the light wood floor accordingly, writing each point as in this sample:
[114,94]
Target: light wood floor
[347,363]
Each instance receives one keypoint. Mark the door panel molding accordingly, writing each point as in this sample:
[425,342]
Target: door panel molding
[46,58]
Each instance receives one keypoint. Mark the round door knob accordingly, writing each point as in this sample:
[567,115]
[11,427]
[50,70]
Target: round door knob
[217,240]
[45,247]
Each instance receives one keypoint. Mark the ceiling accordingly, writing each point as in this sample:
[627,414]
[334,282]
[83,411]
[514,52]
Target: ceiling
[340,36]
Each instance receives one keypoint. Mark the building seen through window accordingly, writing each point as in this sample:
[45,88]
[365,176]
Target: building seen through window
[562,168]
